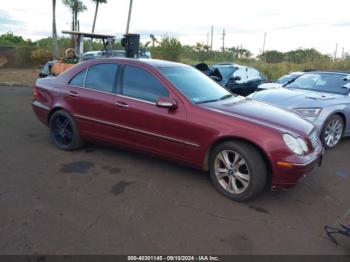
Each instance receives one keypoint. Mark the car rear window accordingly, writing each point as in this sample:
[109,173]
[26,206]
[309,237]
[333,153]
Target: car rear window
[78,79]
[102,77]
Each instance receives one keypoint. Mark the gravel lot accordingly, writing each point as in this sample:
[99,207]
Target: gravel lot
[102,200]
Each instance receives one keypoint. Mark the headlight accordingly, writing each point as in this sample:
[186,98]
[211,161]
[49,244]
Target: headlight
[308,112]
[297,145]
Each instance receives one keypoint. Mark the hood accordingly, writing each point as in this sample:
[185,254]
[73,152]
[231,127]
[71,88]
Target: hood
[269,86]
[292,98]
[263,114]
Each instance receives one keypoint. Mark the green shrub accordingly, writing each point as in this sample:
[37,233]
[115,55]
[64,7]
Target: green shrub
[41,56]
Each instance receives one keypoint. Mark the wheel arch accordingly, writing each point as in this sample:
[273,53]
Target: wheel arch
[53,110]
[342,116]
[233,138]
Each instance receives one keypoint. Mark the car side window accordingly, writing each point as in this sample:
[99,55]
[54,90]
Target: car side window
[142,85]
[102,77]
[78,79]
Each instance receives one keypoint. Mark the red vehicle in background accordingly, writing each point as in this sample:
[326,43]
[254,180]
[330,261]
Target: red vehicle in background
[174,111]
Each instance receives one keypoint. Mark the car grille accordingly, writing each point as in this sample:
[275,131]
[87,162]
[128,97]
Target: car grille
[314,140]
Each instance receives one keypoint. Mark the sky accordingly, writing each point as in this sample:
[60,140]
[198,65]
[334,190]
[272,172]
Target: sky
[288,24]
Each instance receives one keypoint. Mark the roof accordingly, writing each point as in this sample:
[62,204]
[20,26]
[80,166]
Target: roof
[329,72]
[151,62]
[91,35]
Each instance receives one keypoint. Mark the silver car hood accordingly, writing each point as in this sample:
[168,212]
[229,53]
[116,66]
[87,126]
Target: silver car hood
[292,98]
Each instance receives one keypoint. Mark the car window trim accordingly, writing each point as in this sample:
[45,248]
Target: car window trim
[115,81]
[134,98]
[115,94]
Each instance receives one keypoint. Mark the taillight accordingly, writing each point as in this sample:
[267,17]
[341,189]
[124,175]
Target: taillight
[35,93]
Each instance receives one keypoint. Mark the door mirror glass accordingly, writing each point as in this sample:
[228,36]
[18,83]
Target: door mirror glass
[347,86]
[236,78]
[167,102]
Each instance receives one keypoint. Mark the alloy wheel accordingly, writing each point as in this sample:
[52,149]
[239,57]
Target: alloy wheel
[232,172]
[62,130]
[333,132]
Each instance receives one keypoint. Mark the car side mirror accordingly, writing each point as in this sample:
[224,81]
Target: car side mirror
[347,86]
[167,102]
[236,78]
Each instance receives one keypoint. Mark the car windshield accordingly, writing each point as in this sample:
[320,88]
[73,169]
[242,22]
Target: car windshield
[194,85]
[286,78]
[321,82]
[225,71]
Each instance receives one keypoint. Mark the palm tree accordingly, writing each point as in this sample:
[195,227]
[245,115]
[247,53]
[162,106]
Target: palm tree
[76,6]
[98,2]
[55,50]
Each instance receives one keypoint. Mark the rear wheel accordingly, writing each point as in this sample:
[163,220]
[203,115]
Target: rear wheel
[238,170]
[64,132]
[332,131]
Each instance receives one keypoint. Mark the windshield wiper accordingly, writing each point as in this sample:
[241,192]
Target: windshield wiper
[226,96]
[215,100]
[207,101]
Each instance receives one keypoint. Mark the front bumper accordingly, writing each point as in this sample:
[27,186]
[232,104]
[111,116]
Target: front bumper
[287,177]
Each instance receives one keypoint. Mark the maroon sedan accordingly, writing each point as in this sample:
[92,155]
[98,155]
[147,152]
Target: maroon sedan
[176,112]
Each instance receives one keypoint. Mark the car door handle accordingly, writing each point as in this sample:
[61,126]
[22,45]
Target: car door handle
[73,94]
[122,104]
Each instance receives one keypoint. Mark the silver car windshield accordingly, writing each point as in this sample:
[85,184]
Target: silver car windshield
[194,85]
[321,82]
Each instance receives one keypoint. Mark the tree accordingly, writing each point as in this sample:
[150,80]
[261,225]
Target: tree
[9,39]
[239,52]
[76,7]
[97,2]
[272,56]
[55,50]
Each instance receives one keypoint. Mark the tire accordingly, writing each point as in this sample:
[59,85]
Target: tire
[249,175]
[332,131]
[64,132]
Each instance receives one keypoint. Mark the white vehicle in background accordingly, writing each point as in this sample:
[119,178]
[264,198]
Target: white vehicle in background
[283,80]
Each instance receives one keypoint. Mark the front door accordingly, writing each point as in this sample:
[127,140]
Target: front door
[143,123]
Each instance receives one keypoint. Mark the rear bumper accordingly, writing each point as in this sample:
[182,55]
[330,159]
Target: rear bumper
[41,111]
[285,178]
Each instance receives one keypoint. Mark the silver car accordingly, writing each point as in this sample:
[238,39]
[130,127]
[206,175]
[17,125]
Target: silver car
[323,98]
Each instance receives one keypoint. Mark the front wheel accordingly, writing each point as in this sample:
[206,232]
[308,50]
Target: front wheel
[64,132]
[238,170]
[332,131]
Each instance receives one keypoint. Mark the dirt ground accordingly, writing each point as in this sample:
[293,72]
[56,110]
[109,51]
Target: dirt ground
[18,76]
[101,200]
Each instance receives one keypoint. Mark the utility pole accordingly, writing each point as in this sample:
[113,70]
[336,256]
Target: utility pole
[263,49]
[207,38]
[336,52]
[223,40]
[211,41]
[343,53]
[129,16]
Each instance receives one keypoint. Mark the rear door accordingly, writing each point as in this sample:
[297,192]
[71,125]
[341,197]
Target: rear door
[91,96]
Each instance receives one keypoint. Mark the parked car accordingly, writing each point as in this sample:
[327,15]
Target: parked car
[283,80]
[322,98]
[174,111]
[241,80]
